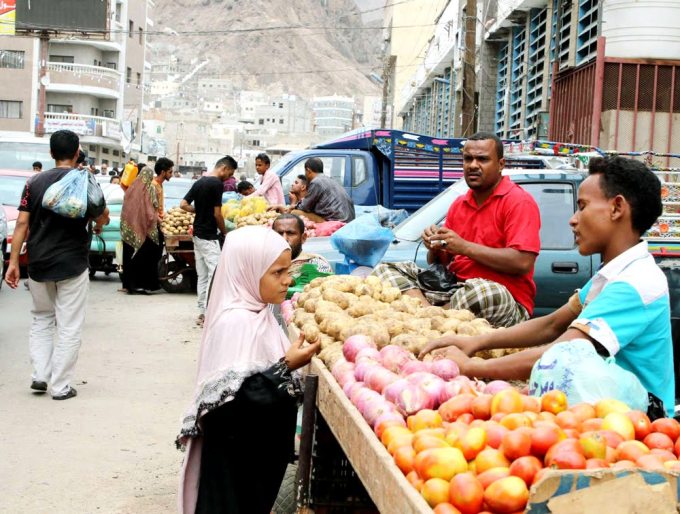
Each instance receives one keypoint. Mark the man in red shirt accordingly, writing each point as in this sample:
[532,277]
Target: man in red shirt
[489,243]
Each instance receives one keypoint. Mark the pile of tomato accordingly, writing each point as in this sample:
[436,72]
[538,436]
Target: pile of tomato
[481,453]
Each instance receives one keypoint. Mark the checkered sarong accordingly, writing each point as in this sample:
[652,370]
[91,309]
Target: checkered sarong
[485,298]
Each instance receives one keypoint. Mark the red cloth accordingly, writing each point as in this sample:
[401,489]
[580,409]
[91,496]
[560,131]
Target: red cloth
[509,218]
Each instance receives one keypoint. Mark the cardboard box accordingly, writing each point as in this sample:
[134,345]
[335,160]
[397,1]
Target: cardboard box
[621,491]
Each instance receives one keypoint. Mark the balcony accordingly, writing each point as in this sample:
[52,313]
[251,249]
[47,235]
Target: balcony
[95,129]
[80,78]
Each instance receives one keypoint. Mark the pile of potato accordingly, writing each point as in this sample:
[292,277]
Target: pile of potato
[177,222]
[264,218]
[336,307]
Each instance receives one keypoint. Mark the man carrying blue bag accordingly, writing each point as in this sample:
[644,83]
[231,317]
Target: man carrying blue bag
[58,249]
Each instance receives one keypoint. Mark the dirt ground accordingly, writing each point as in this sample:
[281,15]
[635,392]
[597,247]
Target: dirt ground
[110,449]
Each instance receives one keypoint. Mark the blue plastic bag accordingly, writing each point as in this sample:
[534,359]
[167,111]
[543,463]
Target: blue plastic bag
[389,218]
[575,368]
[68,196]
[363,240]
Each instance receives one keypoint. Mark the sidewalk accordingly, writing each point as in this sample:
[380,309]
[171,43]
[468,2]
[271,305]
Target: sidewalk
[110,449]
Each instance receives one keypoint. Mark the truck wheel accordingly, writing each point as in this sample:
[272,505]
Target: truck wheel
[285,501]
[177,284]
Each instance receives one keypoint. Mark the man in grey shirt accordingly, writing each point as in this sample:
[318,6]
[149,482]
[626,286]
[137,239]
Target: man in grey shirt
[326,200]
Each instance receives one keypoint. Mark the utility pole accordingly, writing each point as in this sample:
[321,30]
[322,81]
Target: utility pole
[388,73]
[42,82]
[469,86]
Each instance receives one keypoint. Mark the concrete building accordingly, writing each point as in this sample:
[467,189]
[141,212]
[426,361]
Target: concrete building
[584,72]
[94,87]
[409,28]
[333,115]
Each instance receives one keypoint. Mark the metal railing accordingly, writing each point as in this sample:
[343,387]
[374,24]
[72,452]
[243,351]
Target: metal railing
[84,70]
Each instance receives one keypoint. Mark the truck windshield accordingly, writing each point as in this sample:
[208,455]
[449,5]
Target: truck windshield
[21,156]
[433,212]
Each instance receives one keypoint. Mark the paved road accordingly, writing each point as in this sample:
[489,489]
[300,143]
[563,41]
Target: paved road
[111,448]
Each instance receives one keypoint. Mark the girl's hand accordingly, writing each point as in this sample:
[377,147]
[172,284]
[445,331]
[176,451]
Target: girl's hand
[297,357]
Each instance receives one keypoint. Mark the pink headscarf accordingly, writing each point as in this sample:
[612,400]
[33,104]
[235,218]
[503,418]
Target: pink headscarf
[241,337]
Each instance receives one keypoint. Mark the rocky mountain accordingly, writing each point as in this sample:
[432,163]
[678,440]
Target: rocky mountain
[304,47]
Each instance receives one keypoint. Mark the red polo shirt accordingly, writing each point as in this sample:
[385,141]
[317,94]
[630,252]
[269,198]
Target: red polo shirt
[509,218]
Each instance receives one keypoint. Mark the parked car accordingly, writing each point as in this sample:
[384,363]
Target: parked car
[12,184]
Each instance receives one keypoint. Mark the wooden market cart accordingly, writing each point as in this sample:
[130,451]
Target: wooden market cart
[363,477]
[177,268]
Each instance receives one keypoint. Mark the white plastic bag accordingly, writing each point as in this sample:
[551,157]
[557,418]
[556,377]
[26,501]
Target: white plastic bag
[68,195]
[575,368]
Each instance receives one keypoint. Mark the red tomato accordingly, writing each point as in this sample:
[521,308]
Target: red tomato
[491,475]
[641,423]
[516,444]
[466,493]
[668,426]
[446,508]
[543,438]
[451,409]
[507,495]
[658,440]
[526,468]
[554,401]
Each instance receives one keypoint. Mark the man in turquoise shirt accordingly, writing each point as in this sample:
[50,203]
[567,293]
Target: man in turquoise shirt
[623,310]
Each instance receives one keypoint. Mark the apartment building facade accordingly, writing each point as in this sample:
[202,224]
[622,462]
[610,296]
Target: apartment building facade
[94,87]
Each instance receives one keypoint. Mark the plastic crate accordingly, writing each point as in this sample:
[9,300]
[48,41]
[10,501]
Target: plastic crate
[335,487]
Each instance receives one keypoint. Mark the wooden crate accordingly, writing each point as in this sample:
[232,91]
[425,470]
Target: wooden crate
[384,482]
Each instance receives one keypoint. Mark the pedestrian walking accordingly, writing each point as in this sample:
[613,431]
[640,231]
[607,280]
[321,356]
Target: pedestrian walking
[139,231]
[206,196]
[235,461]
[58,273]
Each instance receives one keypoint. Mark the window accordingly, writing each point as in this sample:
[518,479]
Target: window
[260,121]
[93,148]
[139,79]
[280,121]
[280,106]
[94,111]
[59,108]
[128,75]
[96,63]
[108,113]
[556,202]
[12,59]
[141,36]
[359,171]
[112,65]
[131,28]
[105,150]
[62,58]
[116,152]
[10,109]
[119,8]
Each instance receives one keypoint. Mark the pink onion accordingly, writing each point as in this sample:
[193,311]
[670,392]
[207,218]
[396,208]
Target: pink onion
[354,344]
[412,399]
[450,390]
[378,378]
[430,383]
[392,415]
[368,353]
[445,369]
[495,386]
[340,367]
[374,409]
[362,367]
[414,366]
[350,388]
[365,398]
[392,391]
[393,357]
[346,377]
